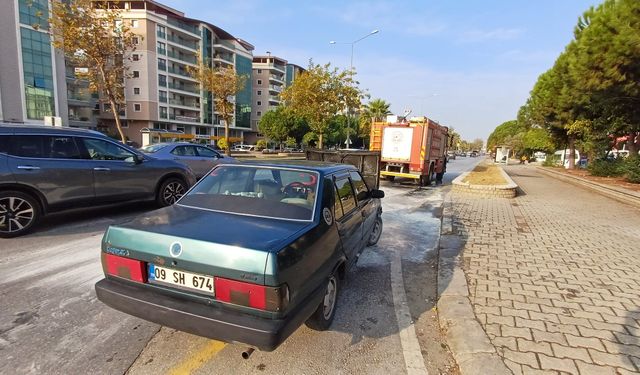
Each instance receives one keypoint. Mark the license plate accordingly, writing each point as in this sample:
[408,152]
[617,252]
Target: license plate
[181,279]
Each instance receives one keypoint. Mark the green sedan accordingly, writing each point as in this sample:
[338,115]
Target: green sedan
[250,253]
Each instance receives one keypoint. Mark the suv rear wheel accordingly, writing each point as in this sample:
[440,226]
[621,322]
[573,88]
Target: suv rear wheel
[170,191]
[19,212]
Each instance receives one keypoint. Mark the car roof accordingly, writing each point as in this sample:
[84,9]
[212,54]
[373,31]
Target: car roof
[8,128]
[318,166]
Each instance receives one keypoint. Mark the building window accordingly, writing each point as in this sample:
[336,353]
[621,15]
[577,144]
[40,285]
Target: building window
[259,103]
[162,48]
[259,113]
[136,91]
[259,81]
[137,107]
[135,57]
[106,107]
[163,112]
[162,80]
[259,92]
[134,23]
[162,96]
[34,13]
[135,40]
[136,74]
[38,74]
[124,124]
[259,71]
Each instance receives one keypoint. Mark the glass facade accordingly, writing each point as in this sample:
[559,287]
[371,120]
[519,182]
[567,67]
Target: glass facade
[243,98]
[207,55]
[289,76]
[34,13]
[38,73]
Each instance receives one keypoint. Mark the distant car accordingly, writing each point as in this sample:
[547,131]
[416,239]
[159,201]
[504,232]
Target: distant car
[251,252]
[473,154]
[45,169]
[199,158]
[451,155]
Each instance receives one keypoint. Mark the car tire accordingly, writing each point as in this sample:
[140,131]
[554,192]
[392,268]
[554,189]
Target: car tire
[323,316]
[19,213]
[376,232]
[170,191]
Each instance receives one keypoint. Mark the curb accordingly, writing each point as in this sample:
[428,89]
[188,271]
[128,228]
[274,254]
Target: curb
[619,194]
[509,190]
[465,337]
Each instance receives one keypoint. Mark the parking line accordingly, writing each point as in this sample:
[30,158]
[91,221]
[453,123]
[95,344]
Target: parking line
[197,359]
[413,359]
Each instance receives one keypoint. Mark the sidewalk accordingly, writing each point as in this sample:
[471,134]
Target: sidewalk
[554,276]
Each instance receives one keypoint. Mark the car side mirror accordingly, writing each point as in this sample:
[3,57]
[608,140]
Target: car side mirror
[137,159]
[375,193]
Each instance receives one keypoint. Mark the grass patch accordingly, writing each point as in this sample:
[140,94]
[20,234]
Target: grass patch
[485,174]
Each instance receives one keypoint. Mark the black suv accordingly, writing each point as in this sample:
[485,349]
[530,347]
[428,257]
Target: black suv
[45,169]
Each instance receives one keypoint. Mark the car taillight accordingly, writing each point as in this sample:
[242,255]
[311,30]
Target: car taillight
[126,268]
[251,295]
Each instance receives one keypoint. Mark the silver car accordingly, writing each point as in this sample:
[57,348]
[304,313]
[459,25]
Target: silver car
[45,169]
[199,158]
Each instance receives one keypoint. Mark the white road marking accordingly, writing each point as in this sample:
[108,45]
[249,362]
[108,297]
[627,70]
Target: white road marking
[410,346]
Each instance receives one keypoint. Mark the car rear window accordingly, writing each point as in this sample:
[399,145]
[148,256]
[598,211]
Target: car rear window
[152,148]
[258,191]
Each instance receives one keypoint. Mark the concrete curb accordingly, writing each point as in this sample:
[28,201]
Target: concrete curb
[623,195]
[467,341]
[508,190]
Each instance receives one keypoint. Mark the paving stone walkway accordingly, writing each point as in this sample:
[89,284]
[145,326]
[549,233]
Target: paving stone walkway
[554,276]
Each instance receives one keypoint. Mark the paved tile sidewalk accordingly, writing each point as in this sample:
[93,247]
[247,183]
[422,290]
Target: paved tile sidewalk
[554,276]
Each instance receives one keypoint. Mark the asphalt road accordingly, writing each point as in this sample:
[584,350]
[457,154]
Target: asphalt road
[51,322]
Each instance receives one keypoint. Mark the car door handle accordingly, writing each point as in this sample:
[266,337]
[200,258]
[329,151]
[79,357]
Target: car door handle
[28,167]
[101,169]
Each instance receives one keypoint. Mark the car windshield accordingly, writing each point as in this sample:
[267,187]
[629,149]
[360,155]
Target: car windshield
[258,191]
[152,148]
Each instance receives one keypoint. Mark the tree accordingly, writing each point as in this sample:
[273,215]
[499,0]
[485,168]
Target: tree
[504,131]
[377,109]
[454,139]
[477,144]
[280,124]
[318,94]
[95,39]
[537,139]
[224,83]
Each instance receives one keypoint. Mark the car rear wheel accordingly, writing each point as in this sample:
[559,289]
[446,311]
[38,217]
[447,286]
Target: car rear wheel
[19,213]
[170,191]
[376,232]
[323,316]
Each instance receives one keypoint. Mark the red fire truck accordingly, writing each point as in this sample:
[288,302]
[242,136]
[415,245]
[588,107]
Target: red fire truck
[410,149]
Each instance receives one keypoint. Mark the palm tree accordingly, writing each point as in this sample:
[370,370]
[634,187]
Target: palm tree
[377,109]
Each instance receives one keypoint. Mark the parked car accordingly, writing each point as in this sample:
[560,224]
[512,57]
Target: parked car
[251,252]
[199,158]
[45,169]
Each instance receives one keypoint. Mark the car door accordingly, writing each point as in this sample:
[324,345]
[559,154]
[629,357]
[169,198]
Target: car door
[52,164]
[186,154]
[348,218]
[116,175]
[208,157]
[367,206]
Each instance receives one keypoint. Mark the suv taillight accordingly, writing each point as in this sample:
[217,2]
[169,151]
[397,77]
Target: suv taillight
[251,295]
[126,268]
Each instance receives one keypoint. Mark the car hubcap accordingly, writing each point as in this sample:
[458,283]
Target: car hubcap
[15,214]
[173,192]
[330,298]
[375,233]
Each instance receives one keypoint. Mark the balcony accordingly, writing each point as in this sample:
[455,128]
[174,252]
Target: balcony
[221,43]
[184,118]
[185,43]
[184,26]
[223,57]
[161,34]
[274,98]
[179,72]
[162,99]
[161,51]
[185,58]
[184,103]
[162,66]
[193,90]
[276,78]
[275,88]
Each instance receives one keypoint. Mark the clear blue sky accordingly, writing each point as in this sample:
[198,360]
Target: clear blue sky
[467,64]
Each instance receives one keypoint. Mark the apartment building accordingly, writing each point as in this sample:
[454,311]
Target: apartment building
[163,102]
[271,75]
[34,82]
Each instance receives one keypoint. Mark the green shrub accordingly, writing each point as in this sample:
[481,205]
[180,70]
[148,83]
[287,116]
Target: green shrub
[632,169]
[261,144]
[549,162]
[607,167]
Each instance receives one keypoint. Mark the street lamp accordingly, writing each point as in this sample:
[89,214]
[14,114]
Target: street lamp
[348,141]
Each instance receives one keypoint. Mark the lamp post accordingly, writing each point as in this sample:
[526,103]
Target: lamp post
[348,141]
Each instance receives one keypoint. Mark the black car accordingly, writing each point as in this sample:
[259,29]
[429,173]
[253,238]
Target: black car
[45,169]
